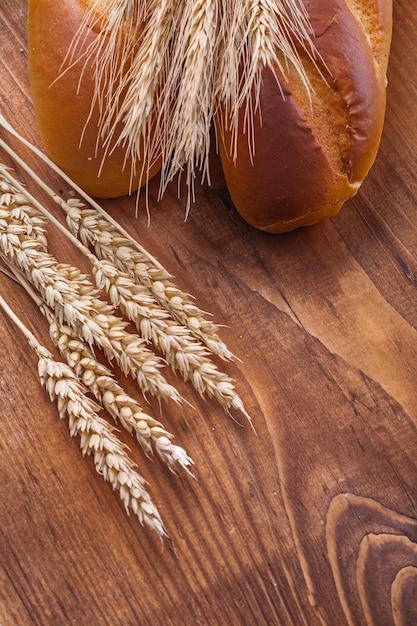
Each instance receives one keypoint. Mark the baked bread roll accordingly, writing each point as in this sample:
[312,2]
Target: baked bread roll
[310,156]
[63,93]
[289,161]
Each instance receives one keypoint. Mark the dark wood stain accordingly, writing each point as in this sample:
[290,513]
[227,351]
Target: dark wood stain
[310,522]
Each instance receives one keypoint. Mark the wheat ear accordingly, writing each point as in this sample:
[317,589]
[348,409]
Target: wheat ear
[183,353]
[101,382]
[138,109]
[274,28]
[92,228]
[150,433]
[75,300]
[187,93]
[96,437]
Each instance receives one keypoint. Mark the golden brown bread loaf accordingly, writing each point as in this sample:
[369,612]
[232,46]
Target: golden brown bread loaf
[62,107]
[312,148]
[310,157]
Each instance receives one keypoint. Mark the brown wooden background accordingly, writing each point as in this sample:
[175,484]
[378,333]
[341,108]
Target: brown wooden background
[313,521]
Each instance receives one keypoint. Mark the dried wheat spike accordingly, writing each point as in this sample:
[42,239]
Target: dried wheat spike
[138,90]
[93,229]
[77,302]
[150,433]
[15,204]
[96,436]
[183,353]
[187,92]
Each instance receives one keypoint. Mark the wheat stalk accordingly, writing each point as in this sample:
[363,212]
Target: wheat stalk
[181,350]
[93,226]
[96,437]
[75,300]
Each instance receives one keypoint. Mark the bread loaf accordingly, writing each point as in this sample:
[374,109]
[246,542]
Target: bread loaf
[63,95]
[290,161]
[313,148]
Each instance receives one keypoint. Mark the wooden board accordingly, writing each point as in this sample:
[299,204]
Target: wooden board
[312,520]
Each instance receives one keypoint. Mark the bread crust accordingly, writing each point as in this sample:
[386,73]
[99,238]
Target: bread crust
[62,102]
[311,156]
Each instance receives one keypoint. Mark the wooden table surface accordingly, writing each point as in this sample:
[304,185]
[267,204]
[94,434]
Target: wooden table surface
[311,521]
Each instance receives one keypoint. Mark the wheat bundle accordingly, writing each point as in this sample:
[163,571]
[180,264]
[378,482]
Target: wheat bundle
[83,325]
[67,383]
[180,69]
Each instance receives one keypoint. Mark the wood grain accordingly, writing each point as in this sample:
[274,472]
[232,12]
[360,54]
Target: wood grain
[313,520]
